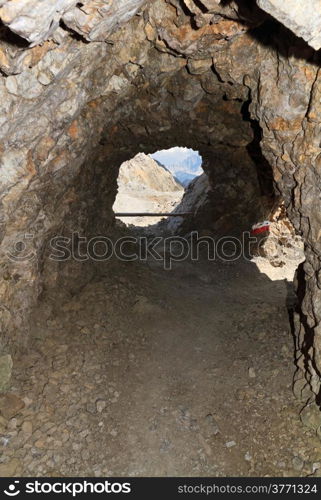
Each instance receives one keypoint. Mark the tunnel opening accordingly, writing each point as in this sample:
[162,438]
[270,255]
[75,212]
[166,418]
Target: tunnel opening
[151,187]
[184,370]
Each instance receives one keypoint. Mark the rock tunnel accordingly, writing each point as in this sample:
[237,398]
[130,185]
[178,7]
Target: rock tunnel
[86,86]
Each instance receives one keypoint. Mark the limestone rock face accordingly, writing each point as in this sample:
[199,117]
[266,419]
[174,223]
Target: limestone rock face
[303,18]
[36,21]
[196,199]
[147,187]
[95,20]
[33,20]
[142,172]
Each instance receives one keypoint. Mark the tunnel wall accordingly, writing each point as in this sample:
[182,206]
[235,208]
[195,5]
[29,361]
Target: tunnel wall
[74,111]
[88,89]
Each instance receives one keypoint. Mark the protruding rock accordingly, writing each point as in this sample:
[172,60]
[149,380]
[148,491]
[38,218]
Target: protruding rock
[303,18]
[311,416]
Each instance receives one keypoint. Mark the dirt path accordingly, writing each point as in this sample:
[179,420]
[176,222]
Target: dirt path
[151,372]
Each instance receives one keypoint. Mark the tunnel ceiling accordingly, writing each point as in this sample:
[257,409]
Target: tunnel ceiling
[87,85]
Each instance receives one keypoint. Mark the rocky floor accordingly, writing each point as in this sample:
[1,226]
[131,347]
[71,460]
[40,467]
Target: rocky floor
[152,372]
[147,202]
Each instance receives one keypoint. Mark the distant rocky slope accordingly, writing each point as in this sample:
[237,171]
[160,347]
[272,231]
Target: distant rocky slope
[196,200]
[143,173]
[144,185]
